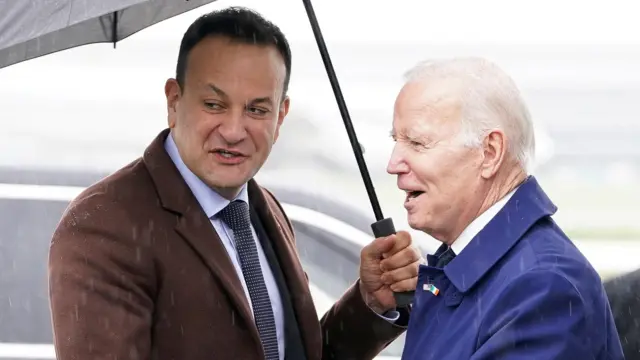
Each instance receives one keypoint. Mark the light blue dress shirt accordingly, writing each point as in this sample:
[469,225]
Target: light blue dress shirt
[212,202]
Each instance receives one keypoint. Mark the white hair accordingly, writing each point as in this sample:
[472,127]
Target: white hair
[489,100]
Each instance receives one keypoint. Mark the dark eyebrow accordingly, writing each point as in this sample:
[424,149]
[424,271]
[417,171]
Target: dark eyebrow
[222,94]
[218,91]
[262,100]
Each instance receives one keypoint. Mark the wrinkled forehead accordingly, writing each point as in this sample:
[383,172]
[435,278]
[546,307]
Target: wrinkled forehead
[427,111]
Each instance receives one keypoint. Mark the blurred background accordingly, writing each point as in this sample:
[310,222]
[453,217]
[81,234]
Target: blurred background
[70,118]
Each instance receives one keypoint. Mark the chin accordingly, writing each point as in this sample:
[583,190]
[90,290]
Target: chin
[220,183]
[232,176]
[415,223]
[419,223]
[230,183]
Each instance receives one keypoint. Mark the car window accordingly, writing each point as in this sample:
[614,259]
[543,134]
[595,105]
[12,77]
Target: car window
[322,301]
[331,268]
[26,226]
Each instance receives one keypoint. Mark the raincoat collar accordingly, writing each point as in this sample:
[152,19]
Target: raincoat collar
[526,207]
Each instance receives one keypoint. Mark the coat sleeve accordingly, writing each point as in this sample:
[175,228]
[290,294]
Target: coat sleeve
[540,315]
[350,329]
[99,285]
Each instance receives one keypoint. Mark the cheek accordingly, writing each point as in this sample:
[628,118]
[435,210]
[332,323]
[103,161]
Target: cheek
[426,167]
[468,166]
[201,125]
[263,133]
[442,176]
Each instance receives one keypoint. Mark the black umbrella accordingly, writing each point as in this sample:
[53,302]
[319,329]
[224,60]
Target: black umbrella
[62,24]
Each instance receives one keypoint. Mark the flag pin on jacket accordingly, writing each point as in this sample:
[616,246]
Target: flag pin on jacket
[432,289]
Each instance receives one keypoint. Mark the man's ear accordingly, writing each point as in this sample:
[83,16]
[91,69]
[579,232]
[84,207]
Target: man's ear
[173,94]
[282,113]
[494,152]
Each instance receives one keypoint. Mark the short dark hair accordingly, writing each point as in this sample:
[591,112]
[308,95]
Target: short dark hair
[239,24]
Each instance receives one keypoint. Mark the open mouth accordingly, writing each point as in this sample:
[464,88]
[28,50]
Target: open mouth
[413,194]
[229,157]
[228,153]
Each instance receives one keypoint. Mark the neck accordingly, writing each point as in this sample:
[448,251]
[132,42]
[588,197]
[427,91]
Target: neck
[228,193]
[498,188]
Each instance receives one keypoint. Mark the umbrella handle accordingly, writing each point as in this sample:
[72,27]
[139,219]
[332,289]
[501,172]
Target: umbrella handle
[385,228]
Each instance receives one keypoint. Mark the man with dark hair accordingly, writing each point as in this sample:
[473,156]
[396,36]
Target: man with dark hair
[241,25]
[181,255]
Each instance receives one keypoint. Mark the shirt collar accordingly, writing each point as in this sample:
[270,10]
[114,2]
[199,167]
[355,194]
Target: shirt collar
[479,223]
[210,201]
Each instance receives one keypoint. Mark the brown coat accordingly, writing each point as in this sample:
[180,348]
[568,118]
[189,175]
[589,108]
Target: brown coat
[136,271]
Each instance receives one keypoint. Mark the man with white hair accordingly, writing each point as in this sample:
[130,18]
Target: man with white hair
[506,283]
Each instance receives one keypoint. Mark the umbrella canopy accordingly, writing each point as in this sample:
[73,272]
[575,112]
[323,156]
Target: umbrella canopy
[32,28]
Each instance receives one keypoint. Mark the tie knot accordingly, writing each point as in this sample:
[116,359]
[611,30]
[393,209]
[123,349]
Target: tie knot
[236,214]
[445,258]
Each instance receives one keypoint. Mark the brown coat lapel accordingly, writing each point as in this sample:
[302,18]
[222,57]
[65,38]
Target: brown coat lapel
[194,226]
[281,235]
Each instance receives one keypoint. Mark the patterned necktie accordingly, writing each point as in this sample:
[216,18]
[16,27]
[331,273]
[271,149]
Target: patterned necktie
[236,216]
[445,258]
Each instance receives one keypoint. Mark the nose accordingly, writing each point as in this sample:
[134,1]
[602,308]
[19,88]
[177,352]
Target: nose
[397,164]
[233,129]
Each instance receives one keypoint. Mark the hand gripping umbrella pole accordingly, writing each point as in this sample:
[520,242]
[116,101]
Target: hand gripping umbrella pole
[383,226]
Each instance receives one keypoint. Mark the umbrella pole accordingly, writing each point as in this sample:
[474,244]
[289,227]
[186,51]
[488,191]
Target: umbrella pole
[382,227]
[114,29]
